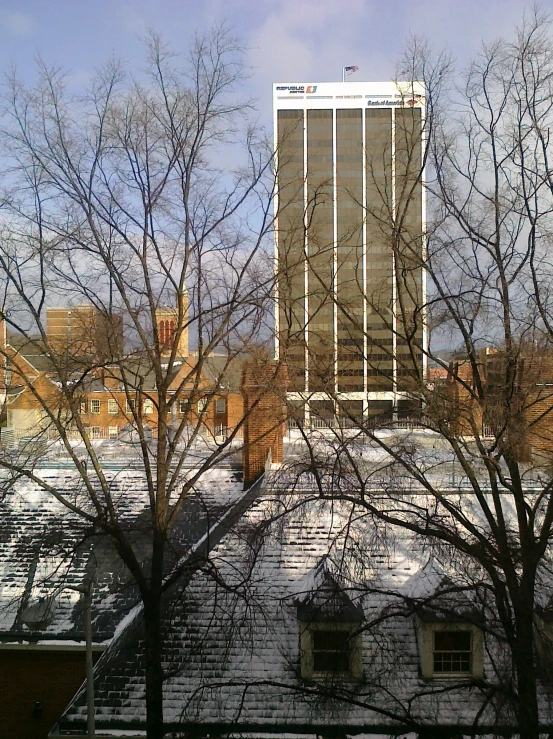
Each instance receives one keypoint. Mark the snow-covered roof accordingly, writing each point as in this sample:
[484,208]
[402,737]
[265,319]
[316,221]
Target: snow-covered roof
[46,551]
[232,634]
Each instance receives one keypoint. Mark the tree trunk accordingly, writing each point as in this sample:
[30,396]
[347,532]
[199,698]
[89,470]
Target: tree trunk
[154,670]
[523,658]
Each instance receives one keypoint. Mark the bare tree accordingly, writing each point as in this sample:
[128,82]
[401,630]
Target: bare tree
[143,206]
[485,253]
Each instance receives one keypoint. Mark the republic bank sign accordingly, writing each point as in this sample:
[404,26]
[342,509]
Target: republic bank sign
[297,89]
[377,101]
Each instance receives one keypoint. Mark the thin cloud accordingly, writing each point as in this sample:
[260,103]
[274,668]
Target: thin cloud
[16,23]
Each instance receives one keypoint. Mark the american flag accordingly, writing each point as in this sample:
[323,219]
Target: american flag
[351,70]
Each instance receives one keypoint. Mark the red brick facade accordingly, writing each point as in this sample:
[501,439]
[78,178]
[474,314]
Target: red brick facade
[518,409]
[263,387]
[35,687]
[107,410]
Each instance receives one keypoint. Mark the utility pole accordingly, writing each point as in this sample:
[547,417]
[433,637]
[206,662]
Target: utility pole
[86,590]
[89,662]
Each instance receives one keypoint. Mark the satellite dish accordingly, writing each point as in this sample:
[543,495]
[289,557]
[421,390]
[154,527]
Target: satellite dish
[39,614]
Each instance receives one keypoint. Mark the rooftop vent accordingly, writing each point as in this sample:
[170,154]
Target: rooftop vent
[39,614]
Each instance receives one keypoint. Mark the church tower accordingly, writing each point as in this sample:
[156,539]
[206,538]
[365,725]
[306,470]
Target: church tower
[167,320]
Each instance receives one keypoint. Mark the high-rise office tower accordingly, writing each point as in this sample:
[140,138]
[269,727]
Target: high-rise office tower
[349,243]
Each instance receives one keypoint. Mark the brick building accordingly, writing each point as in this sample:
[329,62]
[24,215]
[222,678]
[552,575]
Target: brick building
[263,386]
[512,402]
[37,682]
[109,392]
[84,330]
[109,407]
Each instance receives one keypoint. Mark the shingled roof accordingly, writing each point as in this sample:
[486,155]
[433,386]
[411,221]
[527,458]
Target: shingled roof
[46,551]
[232,636]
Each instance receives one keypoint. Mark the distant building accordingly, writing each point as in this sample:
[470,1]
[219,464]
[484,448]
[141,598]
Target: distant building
[109,408]
[349,242]
[517,410]
[167,319]
[113,394]
[83,330]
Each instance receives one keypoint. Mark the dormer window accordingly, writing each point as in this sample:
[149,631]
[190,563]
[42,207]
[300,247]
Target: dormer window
[450,649]
[452,652]
[330,633]
[330,649]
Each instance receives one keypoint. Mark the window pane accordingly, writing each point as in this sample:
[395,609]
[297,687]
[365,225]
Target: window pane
[331,651]
[330,640]
[452,651]
[452,640]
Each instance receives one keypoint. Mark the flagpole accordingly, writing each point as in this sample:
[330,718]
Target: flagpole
[343,74]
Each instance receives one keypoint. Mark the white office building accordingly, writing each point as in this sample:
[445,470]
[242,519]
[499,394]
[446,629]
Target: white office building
[350,243]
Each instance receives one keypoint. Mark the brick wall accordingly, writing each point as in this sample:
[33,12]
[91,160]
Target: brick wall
[27,677]
[521,412]
[463,411]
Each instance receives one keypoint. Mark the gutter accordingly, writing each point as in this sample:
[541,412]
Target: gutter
[59,646]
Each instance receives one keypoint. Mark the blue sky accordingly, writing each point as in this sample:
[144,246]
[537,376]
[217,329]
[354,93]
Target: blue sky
[288,40]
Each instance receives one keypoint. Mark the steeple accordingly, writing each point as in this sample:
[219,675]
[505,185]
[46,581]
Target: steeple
[167,322]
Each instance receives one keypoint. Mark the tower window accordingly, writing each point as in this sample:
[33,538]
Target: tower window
[166,332]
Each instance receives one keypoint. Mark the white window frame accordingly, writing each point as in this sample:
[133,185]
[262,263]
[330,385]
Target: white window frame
[425,638]
[220,406]
[307,631]
[95,406]
[148,407]
[83,407]
[113,408]
[95,432]
[113,432]
[130,405]
[182,406]
[202,405]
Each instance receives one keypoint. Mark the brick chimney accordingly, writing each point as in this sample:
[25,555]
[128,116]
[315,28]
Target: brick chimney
[3,361]
[263,387]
